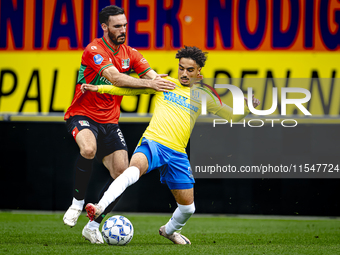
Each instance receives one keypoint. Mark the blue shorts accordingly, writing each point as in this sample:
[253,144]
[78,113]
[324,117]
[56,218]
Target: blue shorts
[174,166]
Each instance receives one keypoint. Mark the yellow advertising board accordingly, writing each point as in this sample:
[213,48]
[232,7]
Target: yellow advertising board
[41,44]
[45,83]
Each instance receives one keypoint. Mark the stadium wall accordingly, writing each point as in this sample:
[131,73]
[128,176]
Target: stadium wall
[37,174]
[41,44]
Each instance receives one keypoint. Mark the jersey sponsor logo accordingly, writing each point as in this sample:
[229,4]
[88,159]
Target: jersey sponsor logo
[180,101]
[106,81]
[143,61]
[98,59]
[125,63]
[84,123]
[120,134]
[93,47]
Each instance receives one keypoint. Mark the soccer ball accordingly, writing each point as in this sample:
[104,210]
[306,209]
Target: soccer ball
[117,230]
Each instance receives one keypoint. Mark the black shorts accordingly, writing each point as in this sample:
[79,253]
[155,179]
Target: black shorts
[109,136]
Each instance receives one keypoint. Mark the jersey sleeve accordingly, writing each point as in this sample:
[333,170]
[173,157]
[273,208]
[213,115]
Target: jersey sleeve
[96,58]
[139,63]
[224,111]
[113,90]
[213,104]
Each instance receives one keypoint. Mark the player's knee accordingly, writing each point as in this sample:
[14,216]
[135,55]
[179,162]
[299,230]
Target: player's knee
[187,209]
[118,171]
[88,152]
[115,174]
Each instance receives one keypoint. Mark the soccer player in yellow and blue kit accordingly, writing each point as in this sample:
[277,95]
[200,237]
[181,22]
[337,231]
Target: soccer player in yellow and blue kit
[163,143]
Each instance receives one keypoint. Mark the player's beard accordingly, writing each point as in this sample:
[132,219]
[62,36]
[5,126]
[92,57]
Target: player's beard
[184,84]
[115,40]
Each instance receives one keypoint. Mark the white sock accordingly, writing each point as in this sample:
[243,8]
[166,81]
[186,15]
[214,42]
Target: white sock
[93,225]
[180,216]
[117,187]
[79,204]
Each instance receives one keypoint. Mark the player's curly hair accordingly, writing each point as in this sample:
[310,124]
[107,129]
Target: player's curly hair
[106,12]
[194,53]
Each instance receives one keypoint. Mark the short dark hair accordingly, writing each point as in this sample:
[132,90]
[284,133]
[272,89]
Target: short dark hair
[106,12]
[194,53]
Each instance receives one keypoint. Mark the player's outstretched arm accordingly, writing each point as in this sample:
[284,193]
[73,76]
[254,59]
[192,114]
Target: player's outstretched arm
[113,90]
[151,75]
[226,112]
[121,80]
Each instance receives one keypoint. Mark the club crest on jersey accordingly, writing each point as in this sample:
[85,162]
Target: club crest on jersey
[84,123]
[125,63]
[98,59]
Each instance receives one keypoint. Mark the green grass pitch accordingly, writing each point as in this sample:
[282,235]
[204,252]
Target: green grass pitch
[33,233]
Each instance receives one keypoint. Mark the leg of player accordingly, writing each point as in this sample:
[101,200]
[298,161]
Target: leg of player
[116,163]
[138,166]
[186,207]
[88,147]
[91,230]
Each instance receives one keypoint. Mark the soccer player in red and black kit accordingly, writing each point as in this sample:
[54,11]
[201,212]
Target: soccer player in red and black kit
[93,118]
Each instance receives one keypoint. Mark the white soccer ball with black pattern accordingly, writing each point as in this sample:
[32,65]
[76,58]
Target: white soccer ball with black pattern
[117,230]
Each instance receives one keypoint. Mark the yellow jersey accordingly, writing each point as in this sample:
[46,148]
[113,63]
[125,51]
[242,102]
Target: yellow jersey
[176,112]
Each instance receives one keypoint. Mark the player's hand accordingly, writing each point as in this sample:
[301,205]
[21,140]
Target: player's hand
[255,101]
[88,87]
[162,85]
